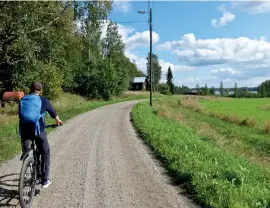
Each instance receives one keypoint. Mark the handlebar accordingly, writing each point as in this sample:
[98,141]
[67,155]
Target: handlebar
[53,126]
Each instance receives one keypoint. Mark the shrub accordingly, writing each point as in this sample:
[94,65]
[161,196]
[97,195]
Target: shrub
[248,121]
[164,89]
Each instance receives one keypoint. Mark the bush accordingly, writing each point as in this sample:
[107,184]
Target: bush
[164,89]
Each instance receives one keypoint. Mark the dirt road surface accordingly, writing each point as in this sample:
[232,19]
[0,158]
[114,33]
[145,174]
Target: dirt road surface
[97,160]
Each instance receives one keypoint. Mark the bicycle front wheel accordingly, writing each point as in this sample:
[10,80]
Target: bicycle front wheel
[27,183]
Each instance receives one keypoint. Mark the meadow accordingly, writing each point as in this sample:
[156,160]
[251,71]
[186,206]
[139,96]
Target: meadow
[251,112]
[221,162]
[258,108]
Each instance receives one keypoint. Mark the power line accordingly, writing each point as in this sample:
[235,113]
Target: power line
[132,21]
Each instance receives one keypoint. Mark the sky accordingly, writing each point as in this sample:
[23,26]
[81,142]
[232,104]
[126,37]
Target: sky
[203,42]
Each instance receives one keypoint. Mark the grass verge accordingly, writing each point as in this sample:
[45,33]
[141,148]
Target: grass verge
[215,177]
[67,106]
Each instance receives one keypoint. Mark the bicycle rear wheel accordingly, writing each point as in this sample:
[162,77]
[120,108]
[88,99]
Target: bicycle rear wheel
[27,183]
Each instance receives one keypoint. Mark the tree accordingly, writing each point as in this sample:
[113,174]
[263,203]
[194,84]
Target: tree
[198,89]
[169,80]
[221,89]
[156,70]
[31,35]
[113,50]
[212,91]
[236,91]
[246,92]
[134,71]
[263,91]
[39,41]
[265,87]
[206,90]
[226,92]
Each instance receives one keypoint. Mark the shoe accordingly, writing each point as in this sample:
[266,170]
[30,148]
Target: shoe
[45,184]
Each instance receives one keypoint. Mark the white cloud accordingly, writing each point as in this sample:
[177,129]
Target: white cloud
[226,17]
[130,39]
[192,81]
[140,62]
[141,39]
[124,31]
[227,82]
[218,51]
[263,38]
[225,70]
[165,65]
[241,59]
[163,81]
[122,6]
[252,7]
[242,74]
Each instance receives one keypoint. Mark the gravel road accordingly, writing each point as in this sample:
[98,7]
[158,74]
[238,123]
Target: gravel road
[97,160]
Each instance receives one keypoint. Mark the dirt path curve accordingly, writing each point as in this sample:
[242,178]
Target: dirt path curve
[98,161]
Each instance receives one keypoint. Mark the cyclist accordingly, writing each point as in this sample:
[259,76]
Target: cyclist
[27,106]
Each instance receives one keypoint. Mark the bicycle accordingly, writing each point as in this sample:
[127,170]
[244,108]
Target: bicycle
[33,162]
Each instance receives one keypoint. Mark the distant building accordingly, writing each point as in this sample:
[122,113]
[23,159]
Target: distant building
[139,83]
[190,92]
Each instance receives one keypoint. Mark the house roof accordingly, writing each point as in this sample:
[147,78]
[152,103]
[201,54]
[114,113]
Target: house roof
[139,79]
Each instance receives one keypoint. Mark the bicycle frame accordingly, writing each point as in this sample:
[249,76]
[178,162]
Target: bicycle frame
[35,164]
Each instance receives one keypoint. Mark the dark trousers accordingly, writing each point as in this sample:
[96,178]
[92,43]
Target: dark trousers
[43,146]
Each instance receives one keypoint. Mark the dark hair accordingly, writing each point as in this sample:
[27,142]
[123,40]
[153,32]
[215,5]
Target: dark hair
[36,86]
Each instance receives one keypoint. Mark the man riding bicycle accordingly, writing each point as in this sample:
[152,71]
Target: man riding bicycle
[32,109]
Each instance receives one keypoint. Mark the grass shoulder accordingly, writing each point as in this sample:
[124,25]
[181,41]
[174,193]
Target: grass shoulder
[216,177]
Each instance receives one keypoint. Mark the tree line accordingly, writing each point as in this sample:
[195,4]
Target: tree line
[60,44]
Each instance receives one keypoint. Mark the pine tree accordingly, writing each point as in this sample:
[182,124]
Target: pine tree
[236,92]
[221,89]
[198,89]
[263,91]
[169,80]
[246,92]
[206,90]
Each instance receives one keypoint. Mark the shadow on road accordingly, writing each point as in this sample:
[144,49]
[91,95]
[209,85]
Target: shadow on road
[9,196]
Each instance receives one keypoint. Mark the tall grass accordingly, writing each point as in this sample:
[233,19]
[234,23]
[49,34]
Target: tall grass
[215,177]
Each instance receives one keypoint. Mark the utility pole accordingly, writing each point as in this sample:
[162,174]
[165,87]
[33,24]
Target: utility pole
[151,67]
[151,81]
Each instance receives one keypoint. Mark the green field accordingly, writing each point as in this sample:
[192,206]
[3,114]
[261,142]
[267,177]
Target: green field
[258,108]
[67,106]
[221,163]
